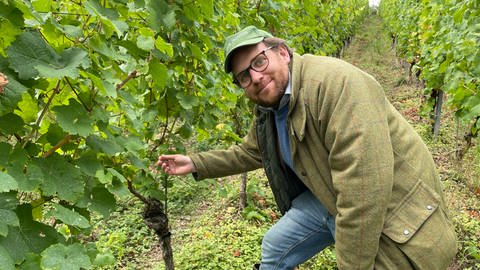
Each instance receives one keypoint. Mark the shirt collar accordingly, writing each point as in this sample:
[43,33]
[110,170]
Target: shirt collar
[286,96]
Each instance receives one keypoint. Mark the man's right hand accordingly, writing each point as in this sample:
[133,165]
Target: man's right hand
[176,164]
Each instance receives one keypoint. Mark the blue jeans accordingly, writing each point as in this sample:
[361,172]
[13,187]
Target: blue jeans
[306,229]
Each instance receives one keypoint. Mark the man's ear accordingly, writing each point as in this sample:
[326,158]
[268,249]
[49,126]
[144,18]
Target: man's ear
[283,51]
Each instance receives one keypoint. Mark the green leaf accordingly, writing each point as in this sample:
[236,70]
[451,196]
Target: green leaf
[163,46]
[31,56]
[61,257]
[30,237]
[11,13]
[196,51]
[7,182]
[10,123]
[102,201]
[95,8]
[28,108]
[8,200]
[117,174]
[5,149]
[70,217]
[15,165]
[30,179]
[6,260]
[104,86]
[146,43]
[159,73]
[206,6]
[119,188]
[108,16]
[89,163]
[108,147]
[100,45]
[187,102]
[60,177]
[9,32]
[71,31]
[67,66]
[104,178]
[104,259]
[28,51]
[7,218]
[74,119]
[32,262]
[158,11]
[13,91]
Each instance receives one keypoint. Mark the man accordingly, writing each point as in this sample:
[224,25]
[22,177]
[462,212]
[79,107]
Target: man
[344,166]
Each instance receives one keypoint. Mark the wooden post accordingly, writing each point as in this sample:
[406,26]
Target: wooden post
[438,112]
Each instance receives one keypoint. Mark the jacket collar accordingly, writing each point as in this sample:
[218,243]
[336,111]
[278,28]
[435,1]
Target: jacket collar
[297,108]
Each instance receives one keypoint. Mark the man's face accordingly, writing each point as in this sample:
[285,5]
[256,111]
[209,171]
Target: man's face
[268,86]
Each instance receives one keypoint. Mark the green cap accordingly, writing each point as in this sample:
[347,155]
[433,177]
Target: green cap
[247,36]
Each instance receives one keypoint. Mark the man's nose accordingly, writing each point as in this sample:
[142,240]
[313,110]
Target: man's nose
[255,75]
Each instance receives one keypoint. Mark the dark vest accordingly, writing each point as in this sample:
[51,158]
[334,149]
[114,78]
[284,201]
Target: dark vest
[283,181]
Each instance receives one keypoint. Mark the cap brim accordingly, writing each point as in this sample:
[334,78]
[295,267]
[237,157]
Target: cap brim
[252,41]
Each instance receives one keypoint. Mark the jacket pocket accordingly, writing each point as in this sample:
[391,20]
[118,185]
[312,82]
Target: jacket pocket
[422,230]
[407,218]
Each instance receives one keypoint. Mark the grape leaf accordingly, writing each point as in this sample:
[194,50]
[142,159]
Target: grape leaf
[108,16]
[8,203]
[8,200]
[72,257]
[28,51]
[10,123]
[30,236]
[60,177]
[102,201]
[7,182]
[187,102]
[146,43]
[7,218]
[73,118]
[89,163]
[70,217]
[31,56]
[13,90]
[9,32]
[67,66]
[28,108]
[109,147]
[163,46]
[159,73]
[6,260]
[160,14]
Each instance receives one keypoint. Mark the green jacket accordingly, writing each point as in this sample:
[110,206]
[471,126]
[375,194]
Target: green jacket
[363,161]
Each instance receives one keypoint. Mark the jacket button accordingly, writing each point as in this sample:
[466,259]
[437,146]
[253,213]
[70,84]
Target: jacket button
[406,232]
[429,207]
[304,173]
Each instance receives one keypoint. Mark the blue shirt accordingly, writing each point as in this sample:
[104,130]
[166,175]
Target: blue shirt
[281,114]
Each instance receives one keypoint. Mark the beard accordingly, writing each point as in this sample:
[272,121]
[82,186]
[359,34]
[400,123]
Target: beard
[273,97]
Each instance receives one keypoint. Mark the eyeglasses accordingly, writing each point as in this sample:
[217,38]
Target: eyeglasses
[259,63]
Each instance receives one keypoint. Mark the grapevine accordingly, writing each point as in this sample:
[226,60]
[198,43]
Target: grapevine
[441,40]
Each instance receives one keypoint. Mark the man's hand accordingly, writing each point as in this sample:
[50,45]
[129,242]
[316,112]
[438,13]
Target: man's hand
[176,164]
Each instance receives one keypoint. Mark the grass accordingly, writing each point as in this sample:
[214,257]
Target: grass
[209,232]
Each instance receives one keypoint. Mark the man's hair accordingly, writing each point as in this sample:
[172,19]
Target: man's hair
[274,41]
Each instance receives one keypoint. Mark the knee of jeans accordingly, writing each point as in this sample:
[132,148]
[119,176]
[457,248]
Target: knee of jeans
[269,245]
